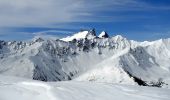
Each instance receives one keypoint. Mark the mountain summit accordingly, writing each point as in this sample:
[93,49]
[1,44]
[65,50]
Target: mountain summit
[103,34]
[81,35]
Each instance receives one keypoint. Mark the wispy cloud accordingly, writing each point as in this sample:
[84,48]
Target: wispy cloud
[48,34]
[34,12]
[47,12]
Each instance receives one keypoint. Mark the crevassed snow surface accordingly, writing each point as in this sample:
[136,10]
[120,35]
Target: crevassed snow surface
[21,89]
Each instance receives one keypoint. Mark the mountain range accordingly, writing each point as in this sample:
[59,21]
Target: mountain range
[84,56]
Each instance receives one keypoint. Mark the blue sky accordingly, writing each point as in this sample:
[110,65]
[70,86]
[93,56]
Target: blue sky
[134,19]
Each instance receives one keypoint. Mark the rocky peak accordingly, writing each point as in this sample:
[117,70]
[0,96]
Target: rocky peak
[103,34]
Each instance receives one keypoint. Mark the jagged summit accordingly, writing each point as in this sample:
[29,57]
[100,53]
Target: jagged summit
[37,39]
[103,34]
[90,34]
[81,35]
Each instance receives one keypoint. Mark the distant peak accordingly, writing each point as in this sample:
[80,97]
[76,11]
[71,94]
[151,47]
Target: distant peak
[92,32]
[81,35]
[118,38]
[37,39]
[103,34]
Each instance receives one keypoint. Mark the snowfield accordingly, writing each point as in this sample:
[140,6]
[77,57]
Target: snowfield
[21,89]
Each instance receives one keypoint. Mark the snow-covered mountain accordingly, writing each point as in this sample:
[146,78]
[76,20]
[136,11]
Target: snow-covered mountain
[87,57]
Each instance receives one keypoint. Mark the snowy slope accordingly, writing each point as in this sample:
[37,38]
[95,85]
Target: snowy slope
[85,57]
[21,89]
[79,35]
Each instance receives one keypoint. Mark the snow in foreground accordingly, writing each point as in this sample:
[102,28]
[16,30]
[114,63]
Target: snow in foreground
[22,89]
